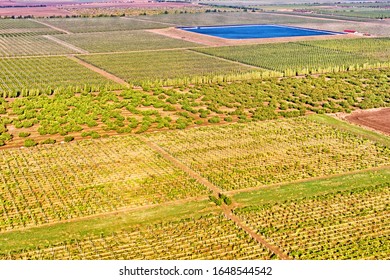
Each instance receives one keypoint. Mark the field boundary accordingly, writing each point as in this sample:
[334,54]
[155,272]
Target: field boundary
[52,26]
[99,70]
[216,191]
[65,44]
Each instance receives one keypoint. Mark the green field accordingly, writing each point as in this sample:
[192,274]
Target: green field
[46,74]
[24,27]
[121,41]
[293,58]
[162,65]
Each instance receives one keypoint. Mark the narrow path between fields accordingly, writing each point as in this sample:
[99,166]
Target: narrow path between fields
[65,44]
[99,71]
[227,211]
[52,26]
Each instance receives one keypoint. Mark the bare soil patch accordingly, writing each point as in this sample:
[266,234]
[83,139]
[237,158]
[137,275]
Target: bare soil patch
[378,120]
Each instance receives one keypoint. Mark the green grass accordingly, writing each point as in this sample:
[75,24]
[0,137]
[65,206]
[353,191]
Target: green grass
[291,58]
[104,24]
[34,237]
[162,65]
[121,41]
[281,193]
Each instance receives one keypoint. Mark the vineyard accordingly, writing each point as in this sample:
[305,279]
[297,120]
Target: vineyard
[87,25]
[123,41]
[244,156]
[54,183]
[344,225]
[118,142]
[295,58]
[156,66]
[209,237]
[47,75]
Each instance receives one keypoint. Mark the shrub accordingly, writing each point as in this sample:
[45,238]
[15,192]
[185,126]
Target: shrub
[214,119]
[68,138]
[30,143]
[48,141]
[24,134]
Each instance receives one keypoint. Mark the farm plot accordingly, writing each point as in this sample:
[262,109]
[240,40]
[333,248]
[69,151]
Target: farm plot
[104,24]
[138,68]
[209,237]
[228,19]
[30,45]
[251,155]
[121,41]
[353,224]
[24,27]
[49,184]
[46,74]
[293,58]
[376,47]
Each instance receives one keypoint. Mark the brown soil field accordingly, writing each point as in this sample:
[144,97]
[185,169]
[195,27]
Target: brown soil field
[375,119]
[33,11]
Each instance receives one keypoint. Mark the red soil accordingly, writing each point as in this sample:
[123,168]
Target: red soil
[375,119]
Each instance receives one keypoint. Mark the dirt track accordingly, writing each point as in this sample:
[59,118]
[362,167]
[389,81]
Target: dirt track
[375,119]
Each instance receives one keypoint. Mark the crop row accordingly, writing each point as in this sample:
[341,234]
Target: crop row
[345,225]
[30,45]
[24,27]
[120,41]
[46,75]
[243,156]
[48,184]
[296,58]
[211,237]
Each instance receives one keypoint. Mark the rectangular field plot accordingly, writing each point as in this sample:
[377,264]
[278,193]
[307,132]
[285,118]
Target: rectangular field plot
[32,76]
[85,25]
[228,18]
[123,41]
[292,58]
[375,47]
[24,27]
[210,237]
[30,45]
[353,224]
[255,154]
[49,184]
[162,65]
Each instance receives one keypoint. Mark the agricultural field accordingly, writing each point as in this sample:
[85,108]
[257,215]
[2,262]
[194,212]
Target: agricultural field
[288,58]
[163,65]
[351,224]
[48,184]
[209,237]
[121,41]
[119,142]
[24,27]
[104,24]
[46,75]
[31,46]
[246,156]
